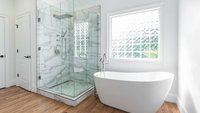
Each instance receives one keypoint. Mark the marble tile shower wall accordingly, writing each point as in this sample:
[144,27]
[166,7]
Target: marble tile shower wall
[56,60]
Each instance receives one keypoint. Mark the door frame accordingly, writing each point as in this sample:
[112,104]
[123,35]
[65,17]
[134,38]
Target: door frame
[33,36]
[7,83]
[16,19]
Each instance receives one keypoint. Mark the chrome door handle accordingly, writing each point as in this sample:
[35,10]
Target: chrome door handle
[27,56]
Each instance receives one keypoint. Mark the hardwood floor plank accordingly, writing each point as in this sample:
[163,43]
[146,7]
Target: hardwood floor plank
[43,106]
[18,100]
[19,105]
[30,104]
[107,109]
[97,108]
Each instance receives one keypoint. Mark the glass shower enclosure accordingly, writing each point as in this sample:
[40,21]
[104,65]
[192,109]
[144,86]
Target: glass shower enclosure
[67,47]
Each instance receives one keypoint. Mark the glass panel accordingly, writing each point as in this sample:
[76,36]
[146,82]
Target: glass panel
[86,32]
[68,47]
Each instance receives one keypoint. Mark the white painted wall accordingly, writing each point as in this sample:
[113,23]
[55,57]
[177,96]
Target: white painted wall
[189,55]
[24,6]
[170,37]
[7,9]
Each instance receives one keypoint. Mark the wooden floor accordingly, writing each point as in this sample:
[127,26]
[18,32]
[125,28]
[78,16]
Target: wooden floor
[17,100]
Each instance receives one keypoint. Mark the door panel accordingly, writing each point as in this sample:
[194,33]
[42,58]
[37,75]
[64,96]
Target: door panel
[23,64]
[2,52]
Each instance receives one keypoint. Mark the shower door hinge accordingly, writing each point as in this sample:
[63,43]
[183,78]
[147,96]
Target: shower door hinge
[39,19]
[17,74]
[39,48]
[39,78]
[17,26]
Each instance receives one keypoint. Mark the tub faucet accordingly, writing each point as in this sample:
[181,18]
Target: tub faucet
[102,60]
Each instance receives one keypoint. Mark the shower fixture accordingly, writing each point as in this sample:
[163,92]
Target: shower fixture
[63,16]
[64,33]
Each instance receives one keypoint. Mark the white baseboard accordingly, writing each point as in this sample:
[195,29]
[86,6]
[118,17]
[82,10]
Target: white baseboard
[10,83]
[181,106]
[171,98]
[175,99]
[1,84]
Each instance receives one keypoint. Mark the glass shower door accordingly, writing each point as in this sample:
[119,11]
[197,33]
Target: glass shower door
[54,29]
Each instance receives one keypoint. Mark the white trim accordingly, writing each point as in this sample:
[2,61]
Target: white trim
[2,84]
[175,99]
[10,83]
[171,98]
[181,106]
[30,77]
[33,81]
[33,34]
[7,46]
[22,15]
[136,10]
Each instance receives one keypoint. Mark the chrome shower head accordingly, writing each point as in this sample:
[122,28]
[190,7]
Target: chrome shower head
[63,16]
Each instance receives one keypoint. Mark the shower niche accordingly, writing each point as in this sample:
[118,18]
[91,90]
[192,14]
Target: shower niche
[68,49]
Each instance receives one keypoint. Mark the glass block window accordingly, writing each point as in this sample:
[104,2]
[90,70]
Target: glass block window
[81,39]
[135,35]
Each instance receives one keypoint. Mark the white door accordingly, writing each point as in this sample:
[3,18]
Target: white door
[2,52]
[23,55]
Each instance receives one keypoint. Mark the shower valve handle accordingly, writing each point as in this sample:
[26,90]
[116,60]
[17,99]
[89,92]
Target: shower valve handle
[27,56]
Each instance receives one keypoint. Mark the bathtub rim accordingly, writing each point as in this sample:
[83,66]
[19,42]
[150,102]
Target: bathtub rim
[171,76]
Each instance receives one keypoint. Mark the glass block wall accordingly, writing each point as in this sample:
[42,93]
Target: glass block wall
[135,35]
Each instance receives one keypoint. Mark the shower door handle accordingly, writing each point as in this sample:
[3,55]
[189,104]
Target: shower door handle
[27,56]
[65,46]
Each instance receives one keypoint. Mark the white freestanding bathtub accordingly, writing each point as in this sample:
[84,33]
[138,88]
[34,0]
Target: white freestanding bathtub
[133,92]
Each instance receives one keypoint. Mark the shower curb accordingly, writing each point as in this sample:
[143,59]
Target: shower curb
[67,100]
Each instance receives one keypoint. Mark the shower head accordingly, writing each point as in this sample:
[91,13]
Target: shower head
[63,16]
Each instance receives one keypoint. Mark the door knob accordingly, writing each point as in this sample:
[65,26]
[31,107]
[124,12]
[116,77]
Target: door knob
[1,56]
[27,56]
